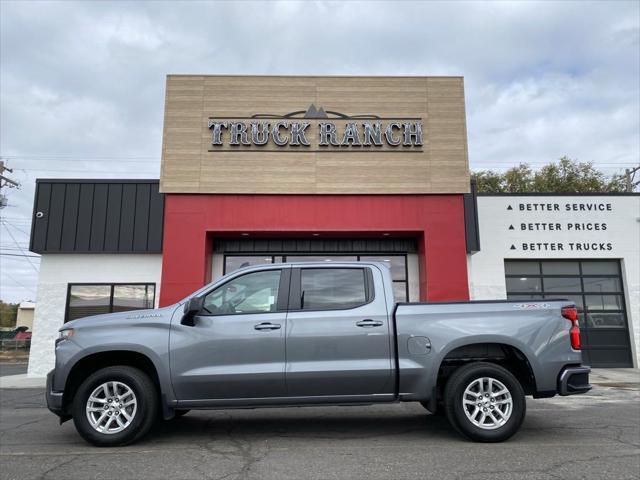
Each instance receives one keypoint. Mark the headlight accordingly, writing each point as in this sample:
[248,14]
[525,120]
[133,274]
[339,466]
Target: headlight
[64,335]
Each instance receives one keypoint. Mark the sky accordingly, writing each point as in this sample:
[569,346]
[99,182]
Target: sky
[82,83]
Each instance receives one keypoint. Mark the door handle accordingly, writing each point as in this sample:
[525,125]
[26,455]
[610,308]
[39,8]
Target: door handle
[368,323]
[267,326]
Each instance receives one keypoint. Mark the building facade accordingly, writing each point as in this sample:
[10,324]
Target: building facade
[581,247]
[281,169]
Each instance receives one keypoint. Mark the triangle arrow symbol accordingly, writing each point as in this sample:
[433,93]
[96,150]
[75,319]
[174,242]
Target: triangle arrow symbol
[509,208]
[311,112]
[510,227]
[513,247]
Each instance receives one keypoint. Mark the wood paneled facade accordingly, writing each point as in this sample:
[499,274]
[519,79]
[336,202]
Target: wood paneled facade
[191,165]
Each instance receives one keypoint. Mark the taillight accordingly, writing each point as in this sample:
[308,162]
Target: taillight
[571,314]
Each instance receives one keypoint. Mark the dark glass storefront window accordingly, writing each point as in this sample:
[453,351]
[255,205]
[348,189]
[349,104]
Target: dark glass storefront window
[562,284]
[132,297]
[87,300]
[322,258]
[595,287]
[524,285]
[233,263]
[396,263]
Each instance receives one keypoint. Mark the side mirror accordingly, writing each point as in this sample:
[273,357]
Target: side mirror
[191,309]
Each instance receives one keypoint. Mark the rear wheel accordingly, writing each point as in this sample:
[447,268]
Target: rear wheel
[115,406]
[485,402]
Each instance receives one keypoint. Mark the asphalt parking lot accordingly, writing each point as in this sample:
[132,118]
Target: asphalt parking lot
[589,436]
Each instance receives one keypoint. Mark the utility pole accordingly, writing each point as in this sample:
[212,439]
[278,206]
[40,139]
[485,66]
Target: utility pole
[629,176]
[4,182]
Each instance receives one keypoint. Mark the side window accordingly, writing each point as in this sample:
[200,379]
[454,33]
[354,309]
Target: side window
[251,293]
[332,288]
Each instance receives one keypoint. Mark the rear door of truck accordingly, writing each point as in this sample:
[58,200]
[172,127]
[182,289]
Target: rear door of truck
[338,340]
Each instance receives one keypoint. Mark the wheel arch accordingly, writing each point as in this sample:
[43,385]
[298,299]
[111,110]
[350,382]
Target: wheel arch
[503,351]
[96,360]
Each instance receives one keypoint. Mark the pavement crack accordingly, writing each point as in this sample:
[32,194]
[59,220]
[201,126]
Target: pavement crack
[44,474]
[31,422]
[550,469]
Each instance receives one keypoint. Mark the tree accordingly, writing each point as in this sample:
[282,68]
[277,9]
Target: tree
[565,176]
[8,314]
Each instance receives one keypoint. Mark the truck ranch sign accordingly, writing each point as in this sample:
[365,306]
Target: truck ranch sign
[308,134]
[285,133]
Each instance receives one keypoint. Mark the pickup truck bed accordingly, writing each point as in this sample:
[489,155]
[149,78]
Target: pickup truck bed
[532,333]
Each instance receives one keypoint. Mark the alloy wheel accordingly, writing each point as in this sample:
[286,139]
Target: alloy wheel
[111,407]
[487,403]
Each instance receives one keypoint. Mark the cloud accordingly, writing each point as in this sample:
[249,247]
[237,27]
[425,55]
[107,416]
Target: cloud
[82,83]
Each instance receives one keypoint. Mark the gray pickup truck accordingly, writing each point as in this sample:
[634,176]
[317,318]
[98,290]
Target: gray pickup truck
[314,334]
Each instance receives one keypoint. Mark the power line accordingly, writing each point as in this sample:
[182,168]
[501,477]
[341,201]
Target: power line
[30,289]
[88,160]
[18,255]
[63,155]
[21,250]
[87,172]
[19,229]
[156,159]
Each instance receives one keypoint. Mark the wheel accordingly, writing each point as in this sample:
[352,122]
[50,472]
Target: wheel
[484,402]
[177,413]
[115,406]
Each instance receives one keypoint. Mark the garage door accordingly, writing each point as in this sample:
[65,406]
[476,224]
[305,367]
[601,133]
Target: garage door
[597,290]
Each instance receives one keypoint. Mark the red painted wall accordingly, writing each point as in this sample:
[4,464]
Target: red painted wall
[437,221]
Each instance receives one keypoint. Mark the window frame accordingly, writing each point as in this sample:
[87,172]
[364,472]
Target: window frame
[359,256]
[585,328]
[281,301]
[111,290]
[295,290]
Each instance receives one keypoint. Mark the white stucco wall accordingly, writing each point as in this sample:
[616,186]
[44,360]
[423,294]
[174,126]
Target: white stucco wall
[57,271]
[621,240]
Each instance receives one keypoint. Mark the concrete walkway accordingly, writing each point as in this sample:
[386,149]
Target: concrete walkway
[615,376]
[22,381]
[611,377]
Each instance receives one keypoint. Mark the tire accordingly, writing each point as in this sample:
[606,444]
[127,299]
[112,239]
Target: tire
[500,422]
[138,400]
[179,413]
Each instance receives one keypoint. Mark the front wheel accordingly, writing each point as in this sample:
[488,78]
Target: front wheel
[485,402]
[115,406]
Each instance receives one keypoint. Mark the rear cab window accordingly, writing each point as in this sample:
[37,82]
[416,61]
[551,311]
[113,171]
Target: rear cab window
[333,288]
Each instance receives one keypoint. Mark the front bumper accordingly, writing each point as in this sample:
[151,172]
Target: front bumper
[574,380]
[54,399]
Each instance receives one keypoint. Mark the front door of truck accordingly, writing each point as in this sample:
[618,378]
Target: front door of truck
[338,333]
[236,347]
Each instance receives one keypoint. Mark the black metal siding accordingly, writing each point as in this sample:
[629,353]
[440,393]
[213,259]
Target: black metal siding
[301,245]
[471,227]
[97,216]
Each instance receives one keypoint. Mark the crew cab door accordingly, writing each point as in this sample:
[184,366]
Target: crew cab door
[338,333]
[236,346]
